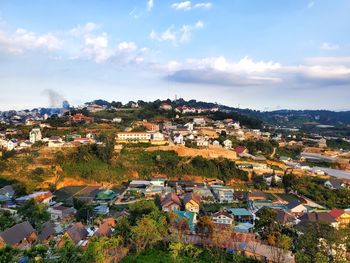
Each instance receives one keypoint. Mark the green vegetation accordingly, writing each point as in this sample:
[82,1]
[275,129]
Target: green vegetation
[36,213]
[338,144]
[212,208]
[291,152]
[313,187]
[6,220]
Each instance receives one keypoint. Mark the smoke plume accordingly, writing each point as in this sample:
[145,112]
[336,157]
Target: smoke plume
[55,98]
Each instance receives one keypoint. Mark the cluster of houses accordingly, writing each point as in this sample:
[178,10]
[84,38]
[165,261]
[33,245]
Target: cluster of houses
[35,135]
[62,224]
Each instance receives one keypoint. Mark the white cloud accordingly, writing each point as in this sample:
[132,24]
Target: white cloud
[199,24]
[207,5]
[310,4]
[150,5]
[127,46]
[96,47]
[328,46]
[22,40]
[177,36]
[186,5]
[247,72]
[81,30]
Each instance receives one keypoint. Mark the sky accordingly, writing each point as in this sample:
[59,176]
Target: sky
[266,55]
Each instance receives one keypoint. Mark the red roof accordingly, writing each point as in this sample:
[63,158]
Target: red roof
[336,212]
[240,149]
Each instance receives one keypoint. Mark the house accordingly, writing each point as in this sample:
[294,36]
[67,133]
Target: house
[244,227]
[25,144]
[133,137]
[20,235]
[77,234]
[12,144]
[157,136]
[55,144]
[296,207]
[178,139]
[106,195]
[104,230]
[256,195]
[153,190]
[165,106]
[223,194]
[101,210]
[59,211]
[78,117]
[324,217]
[239,150]
[222,218]
[216,143]
[205,194]
[7,192]
[190,217]
[157,181]
[270,178]
[191,202]
[44,197]
[171,202]
[241,215]
[334,184]
[47,233]
[227,143]
[283,217]
[35,135]
[341,216]
[117,120]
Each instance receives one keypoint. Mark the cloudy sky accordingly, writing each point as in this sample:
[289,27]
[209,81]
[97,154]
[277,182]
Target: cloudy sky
[264,55]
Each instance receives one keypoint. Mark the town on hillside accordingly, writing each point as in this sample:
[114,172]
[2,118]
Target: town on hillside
[183,181]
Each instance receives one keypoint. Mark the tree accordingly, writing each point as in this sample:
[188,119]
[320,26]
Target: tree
[6,220]
[145,234]
[69,253]
[35,213]
[178,250]
[139,209]
[205,226]
[266,224]
[9,254]
[104,249]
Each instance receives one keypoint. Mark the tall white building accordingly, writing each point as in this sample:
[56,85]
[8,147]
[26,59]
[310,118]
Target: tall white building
[35,135]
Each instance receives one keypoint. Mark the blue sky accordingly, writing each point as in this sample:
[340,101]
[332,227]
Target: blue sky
[259,54]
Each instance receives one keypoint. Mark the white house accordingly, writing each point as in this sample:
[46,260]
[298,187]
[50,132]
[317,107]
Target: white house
[35,135]
[26,144]
[296,207]
[178,139]
[223,218]
[228,144]
[223,194]
[117,120]
[158,136]
[12,144]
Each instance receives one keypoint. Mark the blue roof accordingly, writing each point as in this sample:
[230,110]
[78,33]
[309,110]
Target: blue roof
[240,212]
[244,227]
[187,215]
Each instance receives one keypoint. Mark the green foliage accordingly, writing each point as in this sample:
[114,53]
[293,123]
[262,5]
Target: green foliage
[259,182]
[68,253]
[145,234]
[313,187]
[103,249]
[9,254]
[139,209]
[34,212]
[266,224]
[6,220]
[291,152]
